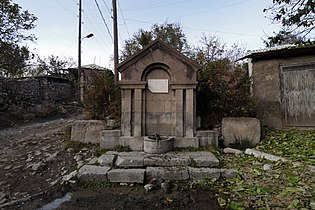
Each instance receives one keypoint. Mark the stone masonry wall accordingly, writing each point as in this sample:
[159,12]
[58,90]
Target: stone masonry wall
[27,92]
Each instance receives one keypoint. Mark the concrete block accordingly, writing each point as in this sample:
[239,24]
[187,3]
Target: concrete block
[106,160]
[126,175]
[204,173]
[168,159]
[87,131]
[93,172]
[110,138]
[238,130]
[130,159]
[170,173]
[208,137]
[135,143]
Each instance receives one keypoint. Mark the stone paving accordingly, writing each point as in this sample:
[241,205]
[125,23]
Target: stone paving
[139,167]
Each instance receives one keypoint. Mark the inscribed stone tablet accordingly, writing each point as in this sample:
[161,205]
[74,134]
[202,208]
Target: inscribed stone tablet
[158,85]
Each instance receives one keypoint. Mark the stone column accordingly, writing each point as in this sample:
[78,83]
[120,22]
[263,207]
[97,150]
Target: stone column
[189,113]
[126,112]
[137,113]
[179,129]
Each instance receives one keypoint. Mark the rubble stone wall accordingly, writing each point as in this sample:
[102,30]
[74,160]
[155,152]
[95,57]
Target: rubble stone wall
[31,91]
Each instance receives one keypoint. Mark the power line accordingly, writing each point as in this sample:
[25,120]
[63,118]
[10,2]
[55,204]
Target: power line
[94,29]
[107,8]
[123,19]
[99,9]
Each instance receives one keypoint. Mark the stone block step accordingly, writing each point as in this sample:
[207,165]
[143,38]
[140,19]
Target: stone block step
[126,175]
[141,159]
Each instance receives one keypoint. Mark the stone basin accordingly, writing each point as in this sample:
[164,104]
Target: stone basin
[159,145]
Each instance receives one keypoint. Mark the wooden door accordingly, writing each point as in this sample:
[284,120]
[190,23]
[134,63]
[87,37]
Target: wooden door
[298,95]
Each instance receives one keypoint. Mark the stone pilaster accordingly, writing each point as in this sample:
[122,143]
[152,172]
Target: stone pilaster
[126,112]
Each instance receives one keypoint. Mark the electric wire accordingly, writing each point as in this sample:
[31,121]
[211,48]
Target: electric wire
[122,15]
[99,9]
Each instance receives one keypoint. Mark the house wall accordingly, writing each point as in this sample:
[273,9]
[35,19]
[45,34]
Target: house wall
[266,77]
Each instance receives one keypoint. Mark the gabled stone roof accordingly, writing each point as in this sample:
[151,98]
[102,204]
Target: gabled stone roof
[157,44]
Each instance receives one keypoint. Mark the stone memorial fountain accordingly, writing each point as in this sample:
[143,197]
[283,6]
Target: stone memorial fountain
[158,98]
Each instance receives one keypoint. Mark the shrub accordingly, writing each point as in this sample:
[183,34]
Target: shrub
[223,91]
[102,97]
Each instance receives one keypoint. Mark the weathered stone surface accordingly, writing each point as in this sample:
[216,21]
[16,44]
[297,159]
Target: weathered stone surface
[134,143]
[170,173]
[87,131]
[106,160]
[232,151]
[70,175]
[93,172]
[203,159]
[263,155]
[130,159]
[186,142]
[168,159]
[239,130]
[109,139]
[209,137]
[228,173]
[204,173]
[126,175]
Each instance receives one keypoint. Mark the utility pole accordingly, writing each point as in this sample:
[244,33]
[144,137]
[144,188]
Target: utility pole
[80,74]
[115,40]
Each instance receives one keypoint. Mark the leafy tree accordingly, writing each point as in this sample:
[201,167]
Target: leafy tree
[14,22]
[51,65]
[282,38]
[170,33]
[13,59]
[297,18]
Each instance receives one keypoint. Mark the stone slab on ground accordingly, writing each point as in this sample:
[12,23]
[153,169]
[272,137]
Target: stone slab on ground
[130,159]
[229,150]
[106,160]
[203,159]
[93,172]
[167,159]
[204,173]
[264,155]
[170,173]
[126,175]
[87,131]
[228,173]
[241,129]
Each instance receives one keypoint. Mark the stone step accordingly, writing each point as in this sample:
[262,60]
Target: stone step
[136,175]
[138,167]
[141,159]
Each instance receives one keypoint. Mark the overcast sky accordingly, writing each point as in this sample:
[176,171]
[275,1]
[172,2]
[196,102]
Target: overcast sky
[234,21]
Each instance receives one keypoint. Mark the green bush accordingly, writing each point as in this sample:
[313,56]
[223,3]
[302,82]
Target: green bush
[102,97]
[223,91]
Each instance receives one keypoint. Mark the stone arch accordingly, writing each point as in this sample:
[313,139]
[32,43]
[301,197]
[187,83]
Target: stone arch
[154,67]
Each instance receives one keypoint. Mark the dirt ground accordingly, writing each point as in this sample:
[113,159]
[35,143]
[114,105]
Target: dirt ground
[33,160]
